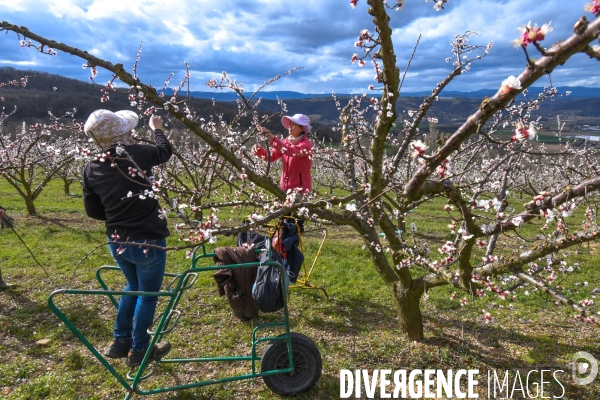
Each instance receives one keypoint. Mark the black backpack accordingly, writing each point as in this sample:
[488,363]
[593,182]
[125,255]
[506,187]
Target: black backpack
[251,238]
[266,291]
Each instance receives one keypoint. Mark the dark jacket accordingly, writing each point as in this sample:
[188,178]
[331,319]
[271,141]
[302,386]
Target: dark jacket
[289,246]
[106,188]
[236,283]
[251,239]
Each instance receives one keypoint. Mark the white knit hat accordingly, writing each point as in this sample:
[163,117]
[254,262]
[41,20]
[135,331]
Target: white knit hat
[299,119]
[108,128]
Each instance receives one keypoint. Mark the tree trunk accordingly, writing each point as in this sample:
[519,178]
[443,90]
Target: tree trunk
[67,186]
[30,207]
[410,318]
[406,294]
[198,213]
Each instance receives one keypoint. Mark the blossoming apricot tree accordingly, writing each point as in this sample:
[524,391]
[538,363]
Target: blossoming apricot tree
[33,156]
[389,169]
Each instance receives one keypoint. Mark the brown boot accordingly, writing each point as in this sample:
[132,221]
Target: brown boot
[134,358]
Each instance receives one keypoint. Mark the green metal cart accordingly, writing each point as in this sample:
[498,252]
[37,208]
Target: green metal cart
[290,363]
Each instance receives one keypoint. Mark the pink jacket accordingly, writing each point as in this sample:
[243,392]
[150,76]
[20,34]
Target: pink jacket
[296,159]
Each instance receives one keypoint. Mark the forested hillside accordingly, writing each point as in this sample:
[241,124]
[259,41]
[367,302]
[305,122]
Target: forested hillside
[56,94]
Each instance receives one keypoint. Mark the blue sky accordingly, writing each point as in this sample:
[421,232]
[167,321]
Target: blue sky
[254,40]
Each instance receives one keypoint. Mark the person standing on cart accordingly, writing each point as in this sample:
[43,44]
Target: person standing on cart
[295,152]
[116,194]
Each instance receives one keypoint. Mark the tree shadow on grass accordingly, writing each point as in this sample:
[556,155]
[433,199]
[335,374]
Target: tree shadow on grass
[450,343]
[26,314]
[351,313]
[28,320]
[60,222]
[468,344]
[72,223]
[15,296]
[488,341]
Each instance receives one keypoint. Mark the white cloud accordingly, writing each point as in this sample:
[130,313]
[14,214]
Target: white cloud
[19,63]
[591,81]
[180,34]
[15,5]
[254,40]
[65,9]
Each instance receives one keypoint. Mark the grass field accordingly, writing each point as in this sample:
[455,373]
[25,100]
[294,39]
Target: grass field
[356,328]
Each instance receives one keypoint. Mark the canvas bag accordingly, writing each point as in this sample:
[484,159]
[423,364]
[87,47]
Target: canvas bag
[267,292]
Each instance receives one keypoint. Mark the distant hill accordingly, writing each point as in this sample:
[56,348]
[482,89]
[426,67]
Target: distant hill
[450,112]
[222,95]
[56,94]
[48,93]
[576,92]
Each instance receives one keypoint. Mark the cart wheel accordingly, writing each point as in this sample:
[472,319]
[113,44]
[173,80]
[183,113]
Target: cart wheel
[307,365]
[242,316]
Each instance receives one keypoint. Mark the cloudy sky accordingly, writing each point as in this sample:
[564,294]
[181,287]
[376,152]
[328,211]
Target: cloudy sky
[254,40]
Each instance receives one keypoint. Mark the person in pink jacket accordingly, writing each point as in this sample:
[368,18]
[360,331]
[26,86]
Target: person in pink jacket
[295,152]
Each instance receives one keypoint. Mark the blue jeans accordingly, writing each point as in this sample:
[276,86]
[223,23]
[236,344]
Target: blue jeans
[144,272]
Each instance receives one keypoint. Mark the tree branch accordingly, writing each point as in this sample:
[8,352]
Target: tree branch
[150,92]
[558,54]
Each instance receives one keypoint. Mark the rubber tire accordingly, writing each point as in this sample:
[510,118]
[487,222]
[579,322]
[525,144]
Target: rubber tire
[242,316]
[307,365]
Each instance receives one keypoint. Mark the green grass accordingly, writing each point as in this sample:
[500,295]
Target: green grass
[356,328]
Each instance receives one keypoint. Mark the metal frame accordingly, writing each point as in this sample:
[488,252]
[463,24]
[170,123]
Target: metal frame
[166,323]
[303,281]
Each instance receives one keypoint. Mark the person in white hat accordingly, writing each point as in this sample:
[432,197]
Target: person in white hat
[116,194]
[295,152]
